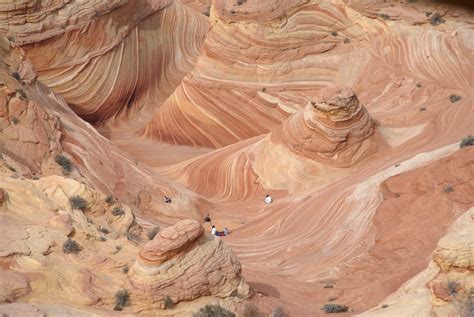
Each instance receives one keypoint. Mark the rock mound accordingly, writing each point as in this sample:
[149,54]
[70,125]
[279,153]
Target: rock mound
[183,263]
[335,128]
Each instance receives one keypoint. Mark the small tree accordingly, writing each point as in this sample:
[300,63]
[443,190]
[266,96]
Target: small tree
[71,246]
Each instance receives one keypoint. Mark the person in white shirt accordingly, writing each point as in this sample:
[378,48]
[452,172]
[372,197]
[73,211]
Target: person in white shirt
[268,199]
[213,230]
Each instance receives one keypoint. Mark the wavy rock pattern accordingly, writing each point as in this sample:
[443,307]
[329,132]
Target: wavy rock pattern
[183,263]
[334,130]
[112,57]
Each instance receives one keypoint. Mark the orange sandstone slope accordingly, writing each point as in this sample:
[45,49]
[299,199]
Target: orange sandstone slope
[356,183]
[37,125]
[108,59]
[264,60]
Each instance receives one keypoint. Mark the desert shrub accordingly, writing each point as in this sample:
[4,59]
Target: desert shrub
[125,269]
[448,189]
[347,40]
[328,285]
[251,310]
[467,305]
[334,33]
[168,302]
[22,94]
[122,299]
[132,236]
[418,85]
[103,230]
[422,109]
[385,16]
[207,12]
[240,2]
[102,238]
[64,162]
[213,311]
[15,120]
[109,200]
[264,89]
[11,168]
[71,246]
[152,233]
[278,312]
[384,306]
[428,13]
[334,308]
[11,38]
[77,202]
[467,141]
[452,288]
[436,19]
[454,98]
[117,211]
[16,75]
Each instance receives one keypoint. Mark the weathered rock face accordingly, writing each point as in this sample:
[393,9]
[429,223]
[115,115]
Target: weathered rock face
[183,263]
[12,285]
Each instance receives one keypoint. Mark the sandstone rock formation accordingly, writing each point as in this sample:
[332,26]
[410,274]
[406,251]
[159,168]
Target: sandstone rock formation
[446,286]
[106,52]
[349,113]
[183,263]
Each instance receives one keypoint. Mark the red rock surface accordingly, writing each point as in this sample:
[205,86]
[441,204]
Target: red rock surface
[343,111]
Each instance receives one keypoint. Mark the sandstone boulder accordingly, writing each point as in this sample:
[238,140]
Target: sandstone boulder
[183,263]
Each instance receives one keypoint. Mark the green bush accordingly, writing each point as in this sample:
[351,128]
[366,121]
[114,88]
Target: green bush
[77,202]
[334,308]
[213,311]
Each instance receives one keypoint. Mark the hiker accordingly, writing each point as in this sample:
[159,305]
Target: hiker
[167,200]
[214,230]
[268,199]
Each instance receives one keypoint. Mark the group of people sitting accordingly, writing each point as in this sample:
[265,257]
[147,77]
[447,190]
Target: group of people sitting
[268,200]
